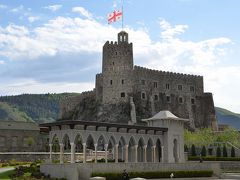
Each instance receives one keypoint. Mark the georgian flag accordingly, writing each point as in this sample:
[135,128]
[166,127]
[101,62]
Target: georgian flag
[114,16]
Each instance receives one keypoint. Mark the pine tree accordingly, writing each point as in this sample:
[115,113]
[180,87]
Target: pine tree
[232,152]
[203,151]
[193,150]
[225,151]
[219,154]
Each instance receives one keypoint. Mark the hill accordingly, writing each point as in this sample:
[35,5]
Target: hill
[39,107]
[11,113]
[227,117]
[45,108]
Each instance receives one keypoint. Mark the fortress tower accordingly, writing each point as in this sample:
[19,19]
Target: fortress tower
[125,92]
[117,69]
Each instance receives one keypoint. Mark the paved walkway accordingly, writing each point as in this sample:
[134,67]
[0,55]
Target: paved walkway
[2,170]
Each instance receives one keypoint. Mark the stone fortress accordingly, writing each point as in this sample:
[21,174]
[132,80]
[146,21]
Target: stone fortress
[125,93]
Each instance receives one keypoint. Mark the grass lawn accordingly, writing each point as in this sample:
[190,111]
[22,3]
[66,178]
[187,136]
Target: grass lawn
[5,175]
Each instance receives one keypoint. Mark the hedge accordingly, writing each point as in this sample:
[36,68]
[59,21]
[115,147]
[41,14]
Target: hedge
[155,174]
[213,158]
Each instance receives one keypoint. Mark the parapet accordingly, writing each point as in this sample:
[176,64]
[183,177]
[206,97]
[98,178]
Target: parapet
[153,72]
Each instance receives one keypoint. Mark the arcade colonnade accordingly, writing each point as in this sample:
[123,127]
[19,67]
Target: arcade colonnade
[125,144]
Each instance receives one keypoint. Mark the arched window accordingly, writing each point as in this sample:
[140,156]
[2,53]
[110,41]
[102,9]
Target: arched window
[122,94]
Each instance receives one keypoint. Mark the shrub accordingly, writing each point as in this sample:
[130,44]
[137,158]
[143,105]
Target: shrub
[232,152]
[225,154]
[156,174]
[193,150]
[219,154]
[213,158]
[185,148]
[203,151]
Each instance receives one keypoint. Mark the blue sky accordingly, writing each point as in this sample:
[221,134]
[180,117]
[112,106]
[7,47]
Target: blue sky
[55,45]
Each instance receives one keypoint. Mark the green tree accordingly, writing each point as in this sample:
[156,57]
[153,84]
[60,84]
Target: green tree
[225,154]
[203,151]
[219,154]
[193,150]
[232,152]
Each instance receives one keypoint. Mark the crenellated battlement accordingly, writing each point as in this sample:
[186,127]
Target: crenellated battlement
[152,72]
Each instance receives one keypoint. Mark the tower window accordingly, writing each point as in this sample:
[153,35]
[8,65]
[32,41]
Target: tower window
[116,53]
[168,99]
[192,101]
[192,89]
[122,81]
[180,87]
[143,96]
[180,100]
[113,63]
[156,97]
[143,82]
[122,94]
[155,84]
[111,82]
[167,86]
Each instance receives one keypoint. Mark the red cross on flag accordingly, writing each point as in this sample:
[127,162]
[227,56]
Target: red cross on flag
[114,16]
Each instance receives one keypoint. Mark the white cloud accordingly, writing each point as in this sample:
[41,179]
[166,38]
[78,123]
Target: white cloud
[33,18]
[17,9]
[3,6]
[82,11]
[54,7]
[2,62]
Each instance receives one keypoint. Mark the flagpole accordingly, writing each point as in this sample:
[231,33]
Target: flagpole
[122,15]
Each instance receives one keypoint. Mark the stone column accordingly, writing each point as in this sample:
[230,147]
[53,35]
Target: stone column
[50,152]
[106,153]
[72,152]
[95,145]
[122,153]
[136,153]
[84,152]
[126,153]
[116,153]
[154,153]
[61,152]
[145,153]
[162,154]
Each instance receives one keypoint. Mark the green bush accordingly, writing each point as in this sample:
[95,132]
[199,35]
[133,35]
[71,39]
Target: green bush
[225,154]
[155,174]
[232,152]
[193,150]
[203,151]
[219,154]
[213,158]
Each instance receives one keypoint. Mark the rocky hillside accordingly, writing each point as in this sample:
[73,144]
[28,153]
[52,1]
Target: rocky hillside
[45,108]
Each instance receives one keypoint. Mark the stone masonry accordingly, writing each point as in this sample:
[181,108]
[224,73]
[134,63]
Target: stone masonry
[151,91]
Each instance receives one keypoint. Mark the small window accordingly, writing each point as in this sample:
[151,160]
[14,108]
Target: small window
[156,97]
[180,100]
[167,86]
[123,94]
[180,87]
[143,82]
[168,99]
[192,101]
[143,96]
[111,82]
[113,63]
[116,53]
[155,84]
[192,89]
[122,81]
